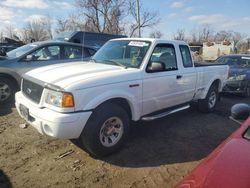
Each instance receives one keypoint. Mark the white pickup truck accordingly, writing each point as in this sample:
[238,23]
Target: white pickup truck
[126,80]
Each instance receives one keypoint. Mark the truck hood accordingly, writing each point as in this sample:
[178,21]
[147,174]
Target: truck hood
[83,74]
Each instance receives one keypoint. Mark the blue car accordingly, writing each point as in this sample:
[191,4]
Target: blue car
[239,73]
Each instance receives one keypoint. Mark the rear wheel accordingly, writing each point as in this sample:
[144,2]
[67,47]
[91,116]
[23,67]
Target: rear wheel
[208,104]
[106,130]
[7,90]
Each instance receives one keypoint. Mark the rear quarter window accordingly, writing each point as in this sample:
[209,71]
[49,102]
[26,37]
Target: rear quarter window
[186,56]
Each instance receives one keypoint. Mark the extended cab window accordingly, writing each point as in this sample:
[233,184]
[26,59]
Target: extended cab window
[165,55]
[186,56]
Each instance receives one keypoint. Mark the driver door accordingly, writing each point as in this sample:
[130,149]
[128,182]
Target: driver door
[160,88]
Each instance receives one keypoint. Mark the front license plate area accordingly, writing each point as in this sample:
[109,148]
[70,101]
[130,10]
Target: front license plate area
[24,111]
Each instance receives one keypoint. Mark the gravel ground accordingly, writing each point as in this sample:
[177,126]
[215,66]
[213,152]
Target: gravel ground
[158,153]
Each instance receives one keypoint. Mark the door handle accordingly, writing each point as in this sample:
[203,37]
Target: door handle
[178,76]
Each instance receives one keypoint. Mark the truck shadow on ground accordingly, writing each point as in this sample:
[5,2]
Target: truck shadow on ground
[6,108]
[182,137]
[4,180]
[171,140]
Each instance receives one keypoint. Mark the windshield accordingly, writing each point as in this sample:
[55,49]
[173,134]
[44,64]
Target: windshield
[21,50]
[122,53]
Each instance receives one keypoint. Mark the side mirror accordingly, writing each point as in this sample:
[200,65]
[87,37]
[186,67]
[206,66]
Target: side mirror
[240,111]
[156,66]
[29,58]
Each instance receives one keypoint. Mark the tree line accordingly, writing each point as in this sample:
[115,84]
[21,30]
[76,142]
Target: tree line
[114,17]
[104,16]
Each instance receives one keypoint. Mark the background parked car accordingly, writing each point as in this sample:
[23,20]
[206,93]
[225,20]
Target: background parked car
[34,55]
[239,73]
[228,165]
[8,44]
[95,40]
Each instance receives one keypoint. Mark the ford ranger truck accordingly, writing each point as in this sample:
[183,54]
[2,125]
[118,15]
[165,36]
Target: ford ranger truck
[128,79]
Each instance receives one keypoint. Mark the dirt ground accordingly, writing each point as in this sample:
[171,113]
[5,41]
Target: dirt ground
[157,154]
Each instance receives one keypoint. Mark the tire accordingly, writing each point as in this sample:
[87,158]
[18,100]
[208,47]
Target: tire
[106,130]
[247,90]
[7,90]
[208,104]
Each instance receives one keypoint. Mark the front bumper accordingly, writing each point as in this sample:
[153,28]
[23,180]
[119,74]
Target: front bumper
[49,122]
[235,86]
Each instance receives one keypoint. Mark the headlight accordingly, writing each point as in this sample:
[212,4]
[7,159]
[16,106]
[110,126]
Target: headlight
[60,99]
[239,77]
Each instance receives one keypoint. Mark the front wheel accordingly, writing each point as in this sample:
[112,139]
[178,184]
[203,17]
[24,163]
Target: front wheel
[106,130]
[208,104]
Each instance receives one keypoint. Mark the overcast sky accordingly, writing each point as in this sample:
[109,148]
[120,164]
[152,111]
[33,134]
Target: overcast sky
[180,14]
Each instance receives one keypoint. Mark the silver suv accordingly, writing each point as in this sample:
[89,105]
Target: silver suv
[34,55]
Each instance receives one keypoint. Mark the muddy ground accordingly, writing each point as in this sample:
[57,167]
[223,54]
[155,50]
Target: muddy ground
[157,154]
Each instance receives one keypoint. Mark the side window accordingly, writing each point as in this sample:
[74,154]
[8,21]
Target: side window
[46,53]
[73,52]
[244,62]
[90,51]
[165,54]
[232,61]
[186,56]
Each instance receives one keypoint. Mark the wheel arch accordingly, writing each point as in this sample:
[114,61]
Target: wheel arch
[217,82]
[121,102]
[126,101]
[12,78]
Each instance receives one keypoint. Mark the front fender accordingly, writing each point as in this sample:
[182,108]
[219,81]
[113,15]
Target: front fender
[133,101]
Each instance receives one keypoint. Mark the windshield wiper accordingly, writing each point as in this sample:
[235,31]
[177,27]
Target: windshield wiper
[116,63]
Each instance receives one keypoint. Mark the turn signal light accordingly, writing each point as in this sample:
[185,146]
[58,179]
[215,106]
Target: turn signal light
[67,100]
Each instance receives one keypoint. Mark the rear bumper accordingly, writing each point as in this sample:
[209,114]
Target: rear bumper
[49,122]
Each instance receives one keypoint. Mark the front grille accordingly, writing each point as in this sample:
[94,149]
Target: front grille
[32,90]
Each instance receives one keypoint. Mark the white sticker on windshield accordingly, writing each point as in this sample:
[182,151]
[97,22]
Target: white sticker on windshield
[137,43]
[245,57]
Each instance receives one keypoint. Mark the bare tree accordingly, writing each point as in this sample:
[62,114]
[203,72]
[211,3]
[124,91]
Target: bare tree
[206,33]
[155,34]
[222,35]
[147,18]
[229,35]
[202,34]
[72,23]
[193,36]
[243,46]
[9,31]
[102,15]
[237,36]
[38,30]
[179,35]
